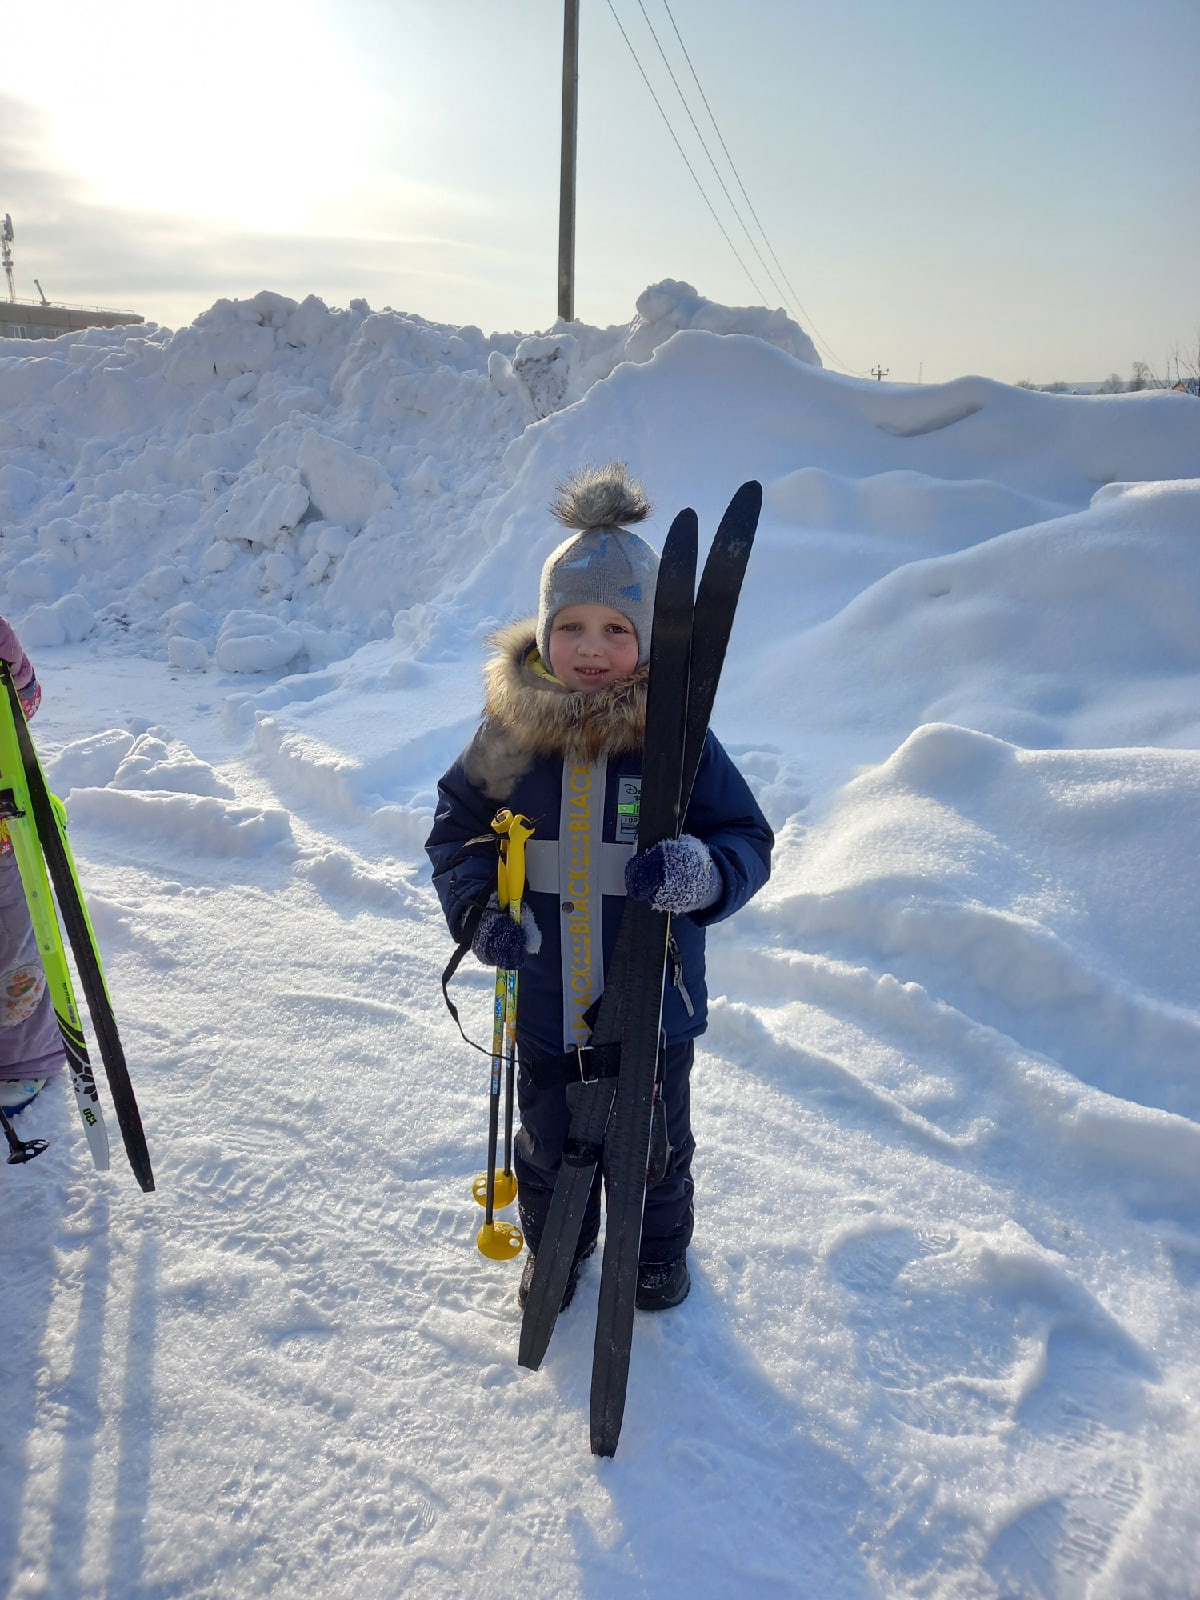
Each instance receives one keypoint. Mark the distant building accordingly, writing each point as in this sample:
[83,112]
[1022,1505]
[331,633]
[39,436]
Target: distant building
[21,319]
[1187,386]
[28,319]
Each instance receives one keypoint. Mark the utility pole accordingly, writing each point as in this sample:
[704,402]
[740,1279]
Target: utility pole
[880,373]
[566,189]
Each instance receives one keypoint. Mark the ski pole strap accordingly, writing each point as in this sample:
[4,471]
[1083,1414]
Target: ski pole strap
[508,830]
[470,924]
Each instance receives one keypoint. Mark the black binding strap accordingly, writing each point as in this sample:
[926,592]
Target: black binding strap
[584,1064]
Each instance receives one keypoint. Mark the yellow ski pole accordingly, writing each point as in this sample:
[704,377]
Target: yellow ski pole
[519,829]
[489,1188]
[502,1240]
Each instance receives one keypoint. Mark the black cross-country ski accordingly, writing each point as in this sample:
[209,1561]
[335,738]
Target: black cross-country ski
[684,716]
[678,713]
[49,824]
[716,606]
[640,946]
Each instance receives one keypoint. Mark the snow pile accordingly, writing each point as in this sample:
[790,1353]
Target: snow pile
[946,1308]
[289,455]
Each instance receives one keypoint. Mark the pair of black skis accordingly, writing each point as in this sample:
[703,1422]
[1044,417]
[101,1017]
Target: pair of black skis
[611,1114]
[37,822]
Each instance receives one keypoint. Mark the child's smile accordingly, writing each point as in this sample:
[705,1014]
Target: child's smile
[592,646]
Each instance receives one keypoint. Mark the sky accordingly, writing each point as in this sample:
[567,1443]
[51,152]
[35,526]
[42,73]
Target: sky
[1004,187]
[944,1332]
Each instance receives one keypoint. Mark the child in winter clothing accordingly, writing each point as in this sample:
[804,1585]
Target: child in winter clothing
[30,1045]
[560,742]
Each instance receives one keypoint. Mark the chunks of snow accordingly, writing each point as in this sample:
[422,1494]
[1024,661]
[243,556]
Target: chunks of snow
[67,621]
[252,642]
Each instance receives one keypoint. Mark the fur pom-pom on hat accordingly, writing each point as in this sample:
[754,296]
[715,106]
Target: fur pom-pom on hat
[603,563]
[601,497]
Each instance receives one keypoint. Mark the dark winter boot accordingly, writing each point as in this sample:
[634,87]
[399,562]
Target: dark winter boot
[662,1284]
[572,1278]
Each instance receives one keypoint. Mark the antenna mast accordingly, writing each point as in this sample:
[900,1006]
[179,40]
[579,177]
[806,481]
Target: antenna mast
[6,238]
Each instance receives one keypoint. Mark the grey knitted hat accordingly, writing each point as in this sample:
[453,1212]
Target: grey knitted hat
[604,563]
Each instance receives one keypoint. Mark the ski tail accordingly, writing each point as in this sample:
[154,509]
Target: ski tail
[17,809]
[83,1083]
[52,854]
[91,975]
[591,1104]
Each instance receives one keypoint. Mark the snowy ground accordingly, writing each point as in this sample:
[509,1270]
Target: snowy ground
[943,1335]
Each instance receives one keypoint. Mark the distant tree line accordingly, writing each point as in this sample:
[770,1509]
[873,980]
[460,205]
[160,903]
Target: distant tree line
[1182,367]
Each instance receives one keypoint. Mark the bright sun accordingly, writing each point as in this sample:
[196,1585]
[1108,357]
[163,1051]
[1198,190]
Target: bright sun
[247,114]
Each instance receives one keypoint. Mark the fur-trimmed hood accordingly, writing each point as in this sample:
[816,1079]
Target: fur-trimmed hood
[529,717]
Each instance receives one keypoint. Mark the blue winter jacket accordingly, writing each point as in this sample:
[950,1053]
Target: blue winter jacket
[571,764]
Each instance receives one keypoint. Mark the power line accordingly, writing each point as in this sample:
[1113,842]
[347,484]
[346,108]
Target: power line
[683,154]
[797,302]
[704,146]
[795,305]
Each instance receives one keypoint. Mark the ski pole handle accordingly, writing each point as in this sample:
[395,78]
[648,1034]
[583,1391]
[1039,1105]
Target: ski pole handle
[501,823]
[513,829]
[519,830]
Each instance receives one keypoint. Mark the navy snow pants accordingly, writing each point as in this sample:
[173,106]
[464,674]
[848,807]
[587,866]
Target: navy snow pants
[537,1153]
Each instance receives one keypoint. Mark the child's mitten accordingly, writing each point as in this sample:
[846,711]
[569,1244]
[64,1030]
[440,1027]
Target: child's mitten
[501,942]
[676,875]
[30,696]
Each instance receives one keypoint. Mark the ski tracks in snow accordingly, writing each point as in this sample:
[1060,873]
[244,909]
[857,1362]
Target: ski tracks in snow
[931,1265]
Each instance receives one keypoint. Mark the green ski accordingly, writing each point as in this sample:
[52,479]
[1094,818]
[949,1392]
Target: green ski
[37,825]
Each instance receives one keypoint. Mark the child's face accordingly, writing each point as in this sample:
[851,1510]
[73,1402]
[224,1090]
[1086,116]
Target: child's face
[591,646]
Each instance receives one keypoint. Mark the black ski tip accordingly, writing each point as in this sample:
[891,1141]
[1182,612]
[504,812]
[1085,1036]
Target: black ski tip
[682,536]
[745,507]
[736,530]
